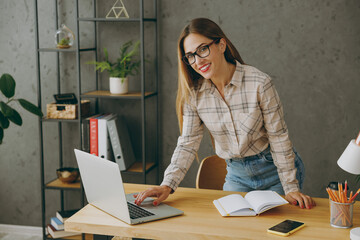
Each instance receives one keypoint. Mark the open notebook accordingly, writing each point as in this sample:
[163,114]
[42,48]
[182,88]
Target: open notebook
[254,202]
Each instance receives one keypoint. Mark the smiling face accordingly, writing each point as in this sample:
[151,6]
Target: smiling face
[210,66]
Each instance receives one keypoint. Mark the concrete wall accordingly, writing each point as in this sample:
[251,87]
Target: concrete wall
[310,49]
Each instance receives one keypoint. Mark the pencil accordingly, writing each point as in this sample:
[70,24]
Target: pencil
[343,198]
[351,194]
[331,194]
[353,197]
[337,198]
[340,191]
[345,191]
[357,141]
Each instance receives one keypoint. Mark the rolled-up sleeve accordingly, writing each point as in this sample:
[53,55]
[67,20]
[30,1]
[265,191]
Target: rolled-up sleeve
[281,146]
[187,146]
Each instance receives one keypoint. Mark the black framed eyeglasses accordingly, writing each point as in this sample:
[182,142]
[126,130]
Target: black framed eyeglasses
[202,52]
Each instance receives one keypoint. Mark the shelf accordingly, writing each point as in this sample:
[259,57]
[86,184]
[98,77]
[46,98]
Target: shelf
[107,94]
[138,167]
[141,167]
[59,120]
[116,19]
[57,184]
[77,237]
[65,49]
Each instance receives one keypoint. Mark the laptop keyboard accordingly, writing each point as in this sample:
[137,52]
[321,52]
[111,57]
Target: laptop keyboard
[137,212]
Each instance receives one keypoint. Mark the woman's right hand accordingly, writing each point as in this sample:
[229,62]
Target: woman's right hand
[161,193]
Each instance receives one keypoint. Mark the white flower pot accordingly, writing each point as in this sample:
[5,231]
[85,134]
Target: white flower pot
[119,85]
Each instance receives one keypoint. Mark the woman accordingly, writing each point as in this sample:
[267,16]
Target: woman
[242,111]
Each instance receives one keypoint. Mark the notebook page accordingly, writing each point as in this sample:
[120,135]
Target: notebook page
[233,202]
[264,200]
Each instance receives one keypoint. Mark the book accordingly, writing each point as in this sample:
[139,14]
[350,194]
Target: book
[63,215]
[120,142]
[104,145]
[57,224]
[85,129]
[59,233]
[93,125]
[254,203]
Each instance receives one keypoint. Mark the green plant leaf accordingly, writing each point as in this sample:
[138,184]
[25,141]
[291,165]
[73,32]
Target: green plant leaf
[127,64]
[6,109]
[16,118]
[1,135]
[134,51]
[103,66]
[4,122]
[106,55]
[11,113]
[124,49]
[7,85]
[30,107]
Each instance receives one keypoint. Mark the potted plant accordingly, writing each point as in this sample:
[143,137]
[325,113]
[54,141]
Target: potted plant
[127,64]
[7,113]
[64,37]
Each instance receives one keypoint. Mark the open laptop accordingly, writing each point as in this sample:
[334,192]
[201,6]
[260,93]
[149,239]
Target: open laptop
[104,189]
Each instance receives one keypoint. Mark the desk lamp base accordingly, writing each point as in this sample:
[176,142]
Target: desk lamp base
[355,233]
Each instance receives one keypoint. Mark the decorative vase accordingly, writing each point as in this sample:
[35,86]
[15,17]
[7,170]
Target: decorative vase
[64,37]
[119,85]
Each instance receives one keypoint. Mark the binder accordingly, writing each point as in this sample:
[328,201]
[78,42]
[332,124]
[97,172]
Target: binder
[85,135]
[121,144]
[103,136]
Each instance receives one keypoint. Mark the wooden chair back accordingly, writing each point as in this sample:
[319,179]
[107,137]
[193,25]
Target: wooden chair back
[211,173]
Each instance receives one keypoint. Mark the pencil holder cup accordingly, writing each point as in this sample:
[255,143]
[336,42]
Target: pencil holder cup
[341,214]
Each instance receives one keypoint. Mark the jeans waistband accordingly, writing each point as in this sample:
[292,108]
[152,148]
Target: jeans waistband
[259,155]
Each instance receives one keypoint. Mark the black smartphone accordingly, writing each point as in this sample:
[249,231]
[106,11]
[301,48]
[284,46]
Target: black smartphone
[286,227]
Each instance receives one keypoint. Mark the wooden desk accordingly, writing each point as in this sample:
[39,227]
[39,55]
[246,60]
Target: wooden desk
[202,221]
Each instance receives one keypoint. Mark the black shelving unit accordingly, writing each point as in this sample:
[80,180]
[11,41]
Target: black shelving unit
[140,168]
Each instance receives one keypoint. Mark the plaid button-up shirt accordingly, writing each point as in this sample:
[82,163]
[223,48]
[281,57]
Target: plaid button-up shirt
[244,124]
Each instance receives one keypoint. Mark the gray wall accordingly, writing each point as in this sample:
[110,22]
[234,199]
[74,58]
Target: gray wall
[310,48]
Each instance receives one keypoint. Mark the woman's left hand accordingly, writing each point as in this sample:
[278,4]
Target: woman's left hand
[301,199]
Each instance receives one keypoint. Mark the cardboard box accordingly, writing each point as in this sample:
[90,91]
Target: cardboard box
[67,111]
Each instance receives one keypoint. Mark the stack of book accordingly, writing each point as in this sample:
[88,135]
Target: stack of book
[56,226]
[107,136]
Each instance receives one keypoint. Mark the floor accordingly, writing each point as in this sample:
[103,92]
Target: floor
[17,236]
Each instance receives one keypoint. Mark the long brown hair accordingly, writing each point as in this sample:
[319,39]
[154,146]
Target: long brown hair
[187,77]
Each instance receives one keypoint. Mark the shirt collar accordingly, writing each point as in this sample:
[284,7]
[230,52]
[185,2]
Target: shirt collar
[238,76]
[236,79]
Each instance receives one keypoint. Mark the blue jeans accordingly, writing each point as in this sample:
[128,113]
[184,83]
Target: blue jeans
[258,172]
